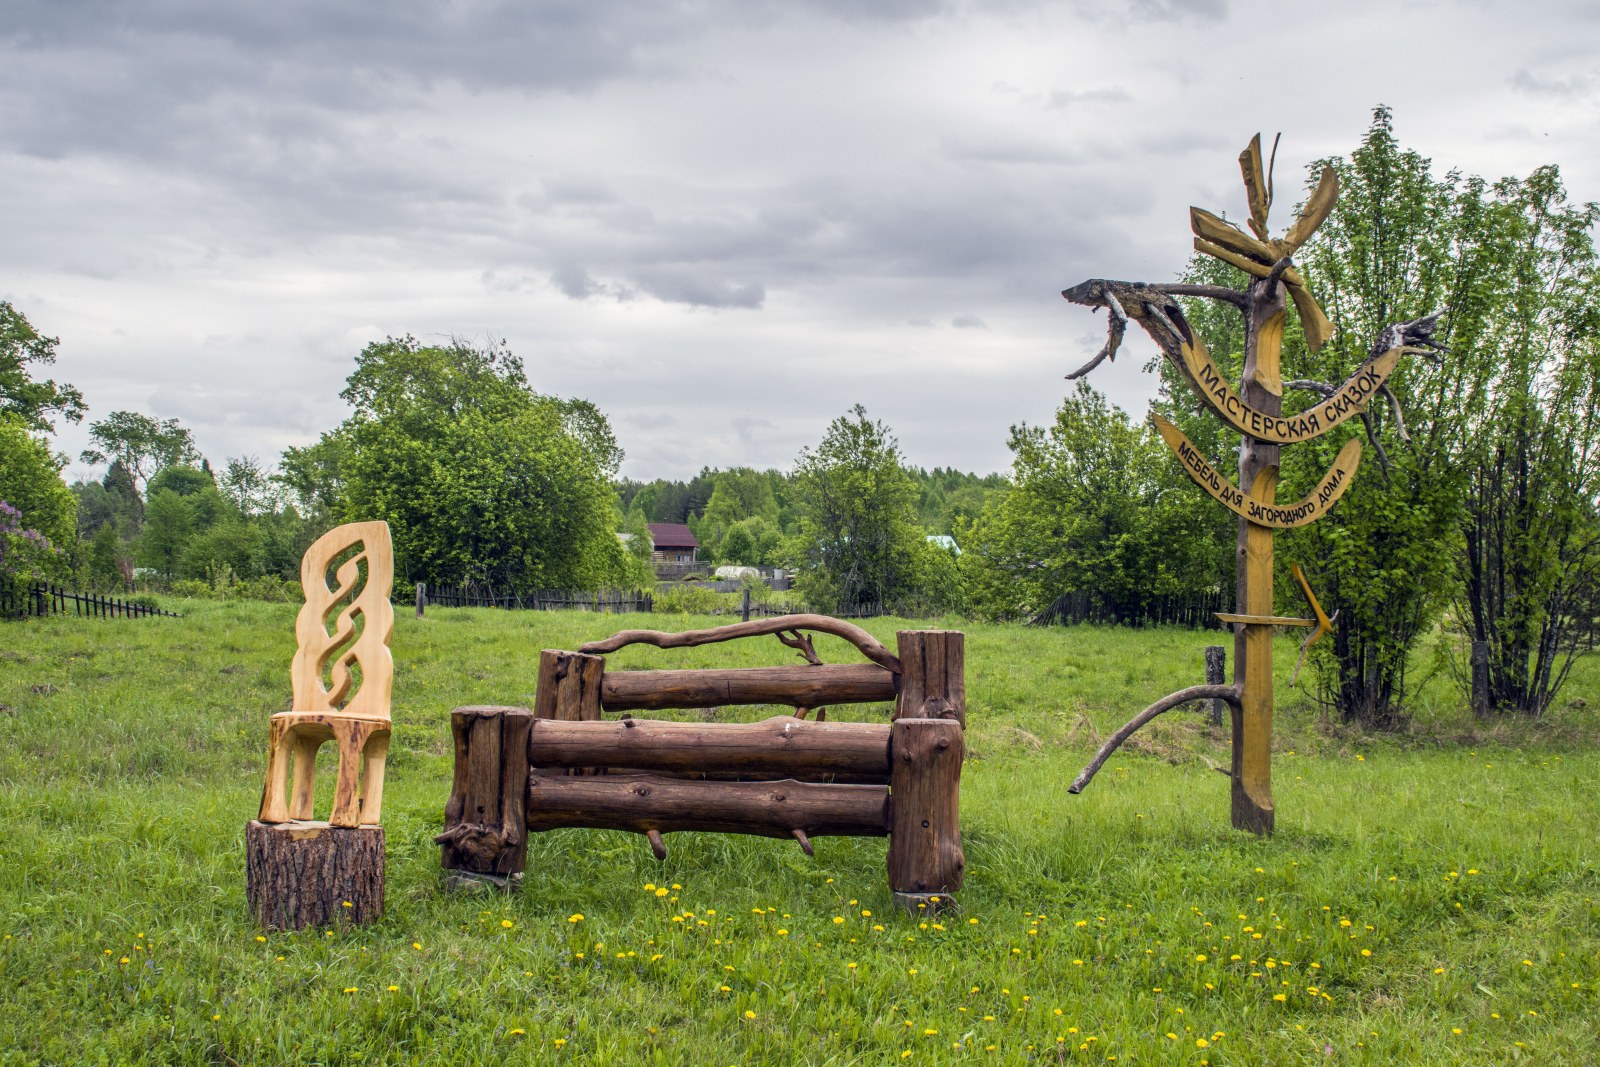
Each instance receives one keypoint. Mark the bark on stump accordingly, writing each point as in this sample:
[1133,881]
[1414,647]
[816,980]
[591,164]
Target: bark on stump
[300,874]
[925,857]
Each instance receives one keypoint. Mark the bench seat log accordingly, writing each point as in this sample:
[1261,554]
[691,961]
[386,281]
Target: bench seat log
[780,745]
[646,802]
[820,686]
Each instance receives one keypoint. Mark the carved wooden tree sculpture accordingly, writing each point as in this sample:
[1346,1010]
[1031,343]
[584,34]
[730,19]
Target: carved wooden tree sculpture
[1256,411]
[301,872]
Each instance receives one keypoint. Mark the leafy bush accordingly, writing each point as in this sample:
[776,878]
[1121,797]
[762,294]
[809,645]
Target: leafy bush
[683,598]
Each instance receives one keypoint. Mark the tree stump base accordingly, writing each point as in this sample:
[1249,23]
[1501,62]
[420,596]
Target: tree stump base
[300,874]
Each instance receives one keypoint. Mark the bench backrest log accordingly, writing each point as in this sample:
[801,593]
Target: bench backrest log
[564,765]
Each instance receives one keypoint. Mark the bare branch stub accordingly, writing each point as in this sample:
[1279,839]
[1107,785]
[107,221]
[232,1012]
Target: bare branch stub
[797,640]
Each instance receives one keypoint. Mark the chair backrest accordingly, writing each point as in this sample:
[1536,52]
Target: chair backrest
[346,624]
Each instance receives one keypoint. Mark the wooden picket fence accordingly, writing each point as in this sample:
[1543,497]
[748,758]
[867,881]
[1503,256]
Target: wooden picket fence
[605,601]
[40,600]
[1196,611]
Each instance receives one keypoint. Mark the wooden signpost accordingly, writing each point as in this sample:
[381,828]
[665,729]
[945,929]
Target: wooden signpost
[301,871]
[1256,411]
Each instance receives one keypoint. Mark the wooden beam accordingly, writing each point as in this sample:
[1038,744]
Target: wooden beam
[780,745]
[800,687]
[644,802]
[1262,620]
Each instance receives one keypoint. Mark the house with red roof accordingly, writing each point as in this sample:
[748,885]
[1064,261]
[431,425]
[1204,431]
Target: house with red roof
[672,542]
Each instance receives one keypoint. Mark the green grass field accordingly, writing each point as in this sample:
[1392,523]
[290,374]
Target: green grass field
[1428,898]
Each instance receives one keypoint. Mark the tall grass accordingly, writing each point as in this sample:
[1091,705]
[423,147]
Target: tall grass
[1428,898]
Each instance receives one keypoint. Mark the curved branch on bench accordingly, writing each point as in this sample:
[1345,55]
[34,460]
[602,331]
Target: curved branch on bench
[868,645]
[1166,703]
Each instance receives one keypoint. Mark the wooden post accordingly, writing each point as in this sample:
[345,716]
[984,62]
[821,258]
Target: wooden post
[1216,674]
[933,681]
[1252,647]
[744,605]
[569,685]
[422,597]
[300,874]
[485,819]
[1480,679]
[925,858]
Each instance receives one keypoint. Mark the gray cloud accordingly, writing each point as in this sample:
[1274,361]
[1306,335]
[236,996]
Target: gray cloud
[691,213]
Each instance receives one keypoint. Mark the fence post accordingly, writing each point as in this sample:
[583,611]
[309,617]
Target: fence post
[744,604]
[1480,679]
[933,682]
[925,859]
[485,838]
[1216,668]
[422,597]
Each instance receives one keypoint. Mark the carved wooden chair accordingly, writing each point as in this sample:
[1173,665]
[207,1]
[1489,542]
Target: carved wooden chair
[343,632]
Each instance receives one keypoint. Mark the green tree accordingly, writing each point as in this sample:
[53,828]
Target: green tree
[142,444]
[1095,510]
[30,481]
[33,402]
[479,478]
[248,485]
[858,538]
[752,542]
[168,528]
[1532,453]
[1400,243]
[738,494]
[38,513]
[640,573]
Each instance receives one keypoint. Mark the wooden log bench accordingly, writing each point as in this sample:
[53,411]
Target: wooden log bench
[564,764]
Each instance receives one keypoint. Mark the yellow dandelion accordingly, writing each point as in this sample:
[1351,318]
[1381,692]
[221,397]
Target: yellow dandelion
[748,1014]
[507,923]
[575,918]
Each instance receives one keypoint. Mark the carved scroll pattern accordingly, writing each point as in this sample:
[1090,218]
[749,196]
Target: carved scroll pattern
[327,627]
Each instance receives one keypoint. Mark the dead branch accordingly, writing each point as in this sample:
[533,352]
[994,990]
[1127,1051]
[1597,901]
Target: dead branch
[1399,416]
[1416,335]
[868,645]
[1115,329]
[1322,389]
[1209,292]
[1228,693]
[796,639]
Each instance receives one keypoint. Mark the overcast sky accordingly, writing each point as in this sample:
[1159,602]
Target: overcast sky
[724,223]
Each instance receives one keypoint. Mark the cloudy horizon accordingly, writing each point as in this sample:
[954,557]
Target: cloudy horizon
[723,223]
